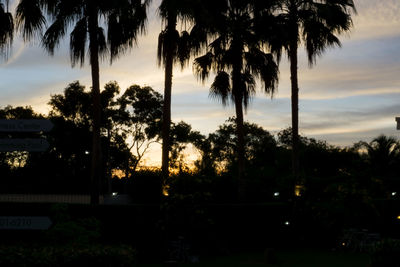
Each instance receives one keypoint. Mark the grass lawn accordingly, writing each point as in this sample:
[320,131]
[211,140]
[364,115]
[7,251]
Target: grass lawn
[285,258]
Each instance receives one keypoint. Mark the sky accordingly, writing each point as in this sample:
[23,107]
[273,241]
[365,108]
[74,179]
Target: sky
[352,93]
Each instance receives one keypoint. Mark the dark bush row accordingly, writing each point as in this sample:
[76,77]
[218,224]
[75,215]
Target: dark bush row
[64,256]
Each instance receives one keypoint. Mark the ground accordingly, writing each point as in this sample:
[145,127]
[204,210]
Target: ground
[282,258]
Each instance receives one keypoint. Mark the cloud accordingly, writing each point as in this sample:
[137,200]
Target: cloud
[377,115]
[351,137]
[359,68]
[376,18]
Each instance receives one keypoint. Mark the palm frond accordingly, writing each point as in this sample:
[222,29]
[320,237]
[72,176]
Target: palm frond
[321,22]
[71,10]
[317,38]
[182,9]
[270,75]
[165,9]
[29,18]
[247,88]
[263,66]
[78,40]
[344,4]
[198,39]
[53,35]
[221,88]
[6,31]
[167,43]
[220,44]
[49,6]
[202,66]
[125,23]
[335,16]
[160,47]
[274,33]
[184,48]
[115,34]
[102,42]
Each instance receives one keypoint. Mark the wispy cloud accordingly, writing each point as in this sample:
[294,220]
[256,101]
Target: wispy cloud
[376,18]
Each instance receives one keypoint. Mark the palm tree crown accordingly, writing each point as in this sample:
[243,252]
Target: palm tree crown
[383,152]
[315,23]
[124,18]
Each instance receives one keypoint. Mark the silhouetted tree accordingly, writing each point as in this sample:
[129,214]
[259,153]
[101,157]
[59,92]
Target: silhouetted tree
[220,146]
[383,157]
[138,119]
[181,135]
[129,123]
[125,19]
[71,114]
[316,24]
[16,165]
[238,56]
[175,47]
[17,159]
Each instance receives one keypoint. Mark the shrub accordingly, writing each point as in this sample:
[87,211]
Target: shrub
[386,253]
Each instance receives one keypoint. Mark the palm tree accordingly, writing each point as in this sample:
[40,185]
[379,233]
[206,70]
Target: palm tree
[383,152]
[125,19]
[6,29]
[175,47]
[383,155]
[316,23]
[238,57]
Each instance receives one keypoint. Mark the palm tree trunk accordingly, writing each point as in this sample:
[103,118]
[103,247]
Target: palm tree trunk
[166,126]
[238,96]
[95,175]
[107,162]
[295,110]
[240,147]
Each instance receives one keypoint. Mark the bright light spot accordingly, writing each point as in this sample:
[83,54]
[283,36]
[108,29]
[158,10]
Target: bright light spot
[298,190]
[394,193]
[398,217]
[343,244]
[114,194]
[165,190]
[276,194]
[287,223]
[87,152]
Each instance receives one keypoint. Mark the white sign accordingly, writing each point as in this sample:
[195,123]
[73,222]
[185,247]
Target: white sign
[30,126]
[31,145]
[24,223]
